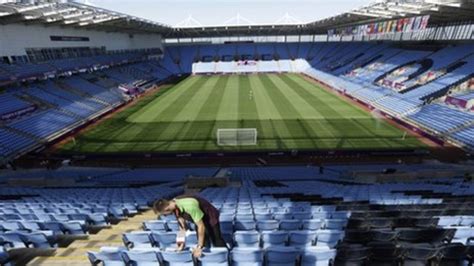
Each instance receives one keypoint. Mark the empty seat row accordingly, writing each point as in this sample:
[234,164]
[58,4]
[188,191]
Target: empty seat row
[265,239]
[161,240]
[297,239]
[18,240]
[390,254]
[281,256]
[407,236]
[94,219]
[55,227]
[267,214]
[264,225]
[289,256]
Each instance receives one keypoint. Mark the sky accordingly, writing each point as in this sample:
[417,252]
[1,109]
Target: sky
[217,12]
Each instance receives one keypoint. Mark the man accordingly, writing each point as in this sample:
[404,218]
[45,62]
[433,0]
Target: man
[198,211]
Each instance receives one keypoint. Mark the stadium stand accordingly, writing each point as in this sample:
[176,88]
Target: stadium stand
[273,218]
[10,104]
[58,106]
[359,82]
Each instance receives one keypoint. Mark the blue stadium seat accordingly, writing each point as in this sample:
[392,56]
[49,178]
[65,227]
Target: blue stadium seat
[173,225]
[261,216]
[214,257]
[245,217]
[141,257]
[226,216]
[463,235]
[290,225]
[107,258]
[244,225]
[448,221]
[302,238]
[246,239]
[38,240]
[155,225]
[137,240]
[334,224]
[12,240]
[467,221]
[10,226]
[282,216]
[267,225]
[302,215]
[163,240]
[173,258]
[317,257]
[274,238]
[312,224]
[328,238]
[246,257]
[281,256]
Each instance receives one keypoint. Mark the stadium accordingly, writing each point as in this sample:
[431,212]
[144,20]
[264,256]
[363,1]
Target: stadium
[346,140]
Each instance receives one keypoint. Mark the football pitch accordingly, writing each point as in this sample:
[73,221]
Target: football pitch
[288,111]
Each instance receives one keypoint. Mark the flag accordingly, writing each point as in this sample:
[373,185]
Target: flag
[400,25]
[424,22]
[410,24]
[417,23]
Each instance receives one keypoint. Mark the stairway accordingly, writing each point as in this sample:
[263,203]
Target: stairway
[75,253]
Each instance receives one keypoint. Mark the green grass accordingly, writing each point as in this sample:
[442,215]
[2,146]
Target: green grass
[288,111]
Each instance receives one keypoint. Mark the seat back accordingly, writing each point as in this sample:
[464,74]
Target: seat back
[267,225]
[172,258]
[244,225]
[274,238]
[250,256]
[158,225]
[246,239]
[107,258]
[328,238]
[215,257]
[312,224]
[281,256]
[163,239]
[141,257]
[302,238]
[315,256]
[290,225]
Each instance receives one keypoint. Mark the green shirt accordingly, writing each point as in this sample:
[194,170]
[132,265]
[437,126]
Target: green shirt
[191,207]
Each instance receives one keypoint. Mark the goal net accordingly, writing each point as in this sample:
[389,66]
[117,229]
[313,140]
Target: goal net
[236,136]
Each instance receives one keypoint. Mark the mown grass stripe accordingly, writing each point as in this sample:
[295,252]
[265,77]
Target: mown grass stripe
[364,122]
[154,108]
[167,112]
[190,111]
[346,127]
[289,122]
[201,131]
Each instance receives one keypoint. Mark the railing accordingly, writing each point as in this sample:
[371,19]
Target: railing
[454,31]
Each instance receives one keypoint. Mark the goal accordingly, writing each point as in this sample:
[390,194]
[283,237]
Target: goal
[236,136]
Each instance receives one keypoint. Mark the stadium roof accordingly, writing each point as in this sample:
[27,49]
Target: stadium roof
[72,14]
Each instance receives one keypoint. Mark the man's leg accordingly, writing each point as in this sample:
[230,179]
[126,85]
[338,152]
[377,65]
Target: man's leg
[216,236]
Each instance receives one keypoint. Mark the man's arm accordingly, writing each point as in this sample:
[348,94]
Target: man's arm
[182,229]
[201,233]
[182,223]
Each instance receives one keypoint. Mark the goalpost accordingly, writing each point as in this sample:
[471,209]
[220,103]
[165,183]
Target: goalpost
[236,136]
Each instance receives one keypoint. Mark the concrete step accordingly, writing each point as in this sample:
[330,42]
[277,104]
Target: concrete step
[75,253]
